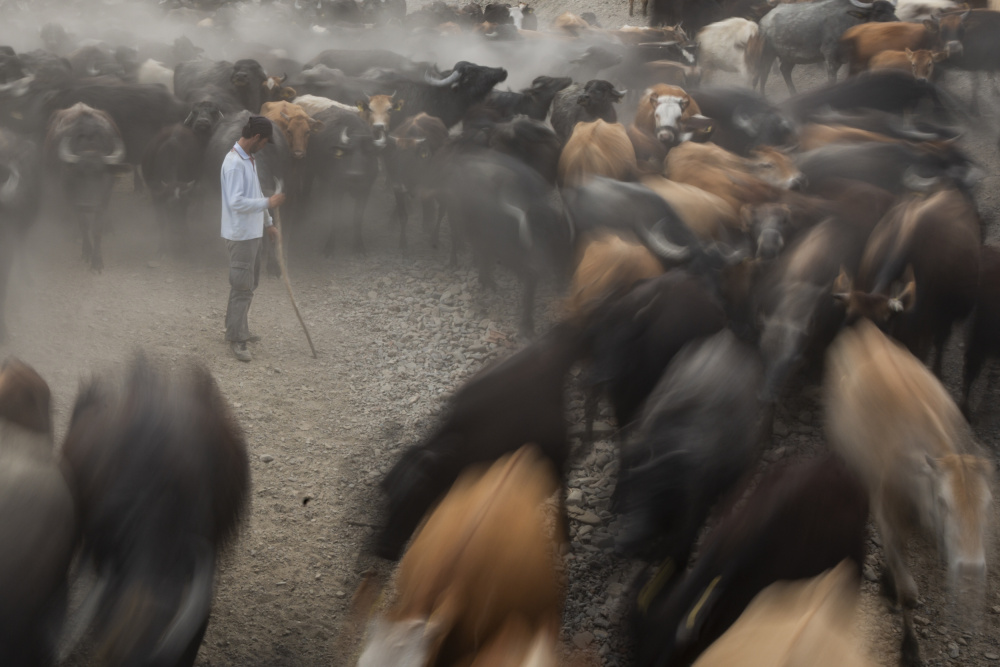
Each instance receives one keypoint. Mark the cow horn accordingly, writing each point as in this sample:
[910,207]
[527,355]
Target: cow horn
[65,154]
[862,5]
[117,156]
[344,139]
[192,611]
[18,87]
[918,183]
[447,81]
[9,189]
[187,121]
[659,244]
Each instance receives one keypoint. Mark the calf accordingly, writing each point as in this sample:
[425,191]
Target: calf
[695,438]
[313,104]
[802,518]
[788,621]
[863,42]
[742,120]
[518,400]
[274,90]
[919,63]
[482,561]
[38,522]
[931,244]
[583,104]
[899,430]
[709,216]
[162,478]
[596,149]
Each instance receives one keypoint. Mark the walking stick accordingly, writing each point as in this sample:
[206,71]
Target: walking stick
[280,250]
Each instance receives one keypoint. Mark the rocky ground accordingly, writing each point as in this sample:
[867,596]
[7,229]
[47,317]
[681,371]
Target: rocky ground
[397,332]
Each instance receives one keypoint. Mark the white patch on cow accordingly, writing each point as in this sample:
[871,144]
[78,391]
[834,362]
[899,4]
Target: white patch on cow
[517,15]
[401,644]
[270,84]
[523,229]
[667,111]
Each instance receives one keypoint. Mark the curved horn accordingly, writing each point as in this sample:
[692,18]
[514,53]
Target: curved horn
[192,611]
[659,244]
[18,86]
[862,5]
[9,189]
[344,139]
[447,81]
[117,155]
[65,154]
[188,120]
[918,183]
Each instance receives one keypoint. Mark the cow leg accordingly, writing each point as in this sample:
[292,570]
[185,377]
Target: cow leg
[940,341]
[530,280]
[400,215]
[763,71]
[591,402]
[360,203]
[332,236]
[910,649]
[832,66]
[786,73]
[904,588]
[429,211]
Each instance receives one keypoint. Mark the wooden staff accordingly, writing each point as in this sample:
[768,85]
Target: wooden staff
[280,249]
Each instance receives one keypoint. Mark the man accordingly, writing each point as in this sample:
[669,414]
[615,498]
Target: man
[244,220]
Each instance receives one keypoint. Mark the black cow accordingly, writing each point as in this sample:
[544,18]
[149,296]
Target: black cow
[584,104]
[38,524]
[531,141]
[413,171]
[696,438]
[970,38]
[171,167]
[533,102]
[743,120]
[162,478]
[203,118]
[343,157]
[244,80]
[983,335]
[85,149]
[518,400]
[801,519]
[506,212]
[95,60]
[20,202]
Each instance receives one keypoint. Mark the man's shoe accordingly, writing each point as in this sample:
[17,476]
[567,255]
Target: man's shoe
[254,338]
[240,351]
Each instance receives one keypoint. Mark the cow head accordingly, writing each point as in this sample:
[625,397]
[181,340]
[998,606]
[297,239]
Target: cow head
[777,168]
[471,81]
[922,62]
[952,31]
[879,11]
[879,308]
[767,128]
[545,87]
[247,72]
[203,118]
[598,96]
[766,225]
[377,111]
[295,124]
[676,117]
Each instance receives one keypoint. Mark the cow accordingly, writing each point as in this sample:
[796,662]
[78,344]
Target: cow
[919,63]
[533,142]
[294,123]
[518,400]
[313,104]
[596,149]
[583,104]
[152,71]
[863,42]
[38,521]
[809,32]
[790,620]
[981,335]
[483,560]
[171,167]
[921,10]
[930,244]
[667,115]
[95,60]
[20,204]
[86,149]
[203,118]
[504,209]
[533,102]
[162,477]
[344,156]
[609,263]
[969,38]
[742,120]
[377,111]
[709,216]
[274,90]
[695,438]
[243,80]
[802,518]
[412,170]
[899,430]
[722,46]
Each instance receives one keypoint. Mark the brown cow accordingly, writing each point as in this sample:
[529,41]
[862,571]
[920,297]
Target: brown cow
[898,428]
[709,216]
[919,63]
[670,116]
[483,558]
[377,111]
[817,135]
[863,42]
[938,238]
[596,149]
[793,623]
[608,263]
[294,123]
[735,179]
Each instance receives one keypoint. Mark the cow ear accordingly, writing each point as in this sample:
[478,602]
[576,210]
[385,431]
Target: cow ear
[842,285]
[931,25]
[398,106]
[938,56]
[909,52]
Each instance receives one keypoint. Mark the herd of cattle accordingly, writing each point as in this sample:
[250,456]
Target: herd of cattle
[716,247]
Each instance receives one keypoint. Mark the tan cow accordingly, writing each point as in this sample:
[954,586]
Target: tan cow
[919,63]
[608,263]
[668,115]
[294,123]
[377,111]
[596,149]
[709,216]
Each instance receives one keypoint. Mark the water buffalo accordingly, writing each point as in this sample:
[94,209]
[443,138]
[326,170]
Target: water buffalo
[86,150]
[171,168]
[412,169]
[244,80]
[162,478]
[587,103]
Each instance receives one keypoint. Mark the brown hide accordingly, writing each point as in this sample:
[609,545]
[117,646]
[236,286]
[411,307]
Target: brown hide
[596,149]
[294,123]
[608,264]
[863,42]
[919,63]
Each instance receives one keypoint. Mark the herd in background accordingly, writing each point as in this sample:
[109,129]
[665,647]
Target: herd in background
[718,249]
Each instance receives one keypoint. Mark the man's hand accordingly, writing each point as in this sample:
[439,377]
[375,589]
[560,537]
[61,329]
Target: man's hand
[272,233]
[276,200]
